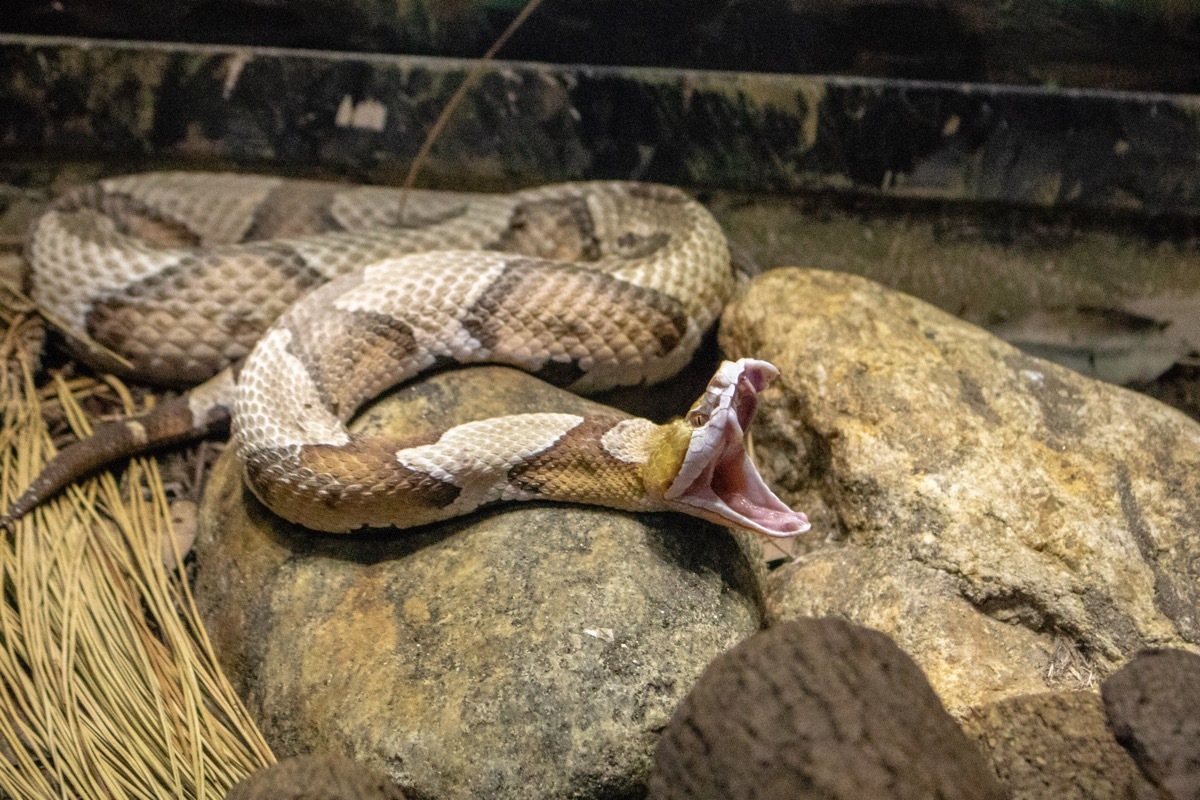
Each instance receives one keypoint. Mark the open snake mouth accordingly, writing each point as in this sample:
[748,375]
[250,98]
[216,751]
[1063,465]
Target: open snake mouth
[718,481]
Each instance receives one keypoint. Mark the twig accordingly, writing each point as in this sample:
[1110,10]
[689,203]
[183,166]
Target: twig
[456,99]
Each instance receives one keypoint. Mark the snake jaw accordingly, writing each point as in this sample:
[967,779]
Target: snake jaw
[717,479]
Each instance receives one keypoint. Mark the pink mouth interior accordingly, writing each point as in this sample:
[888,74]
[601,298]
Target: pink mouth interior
[729,490]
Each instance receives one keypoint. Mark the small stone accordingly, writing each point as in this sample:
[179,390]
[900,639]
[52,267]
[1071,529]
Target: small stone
[315,777]
[1153,706]
[1049,515]
[1055,745]
[816,708]
[527,651]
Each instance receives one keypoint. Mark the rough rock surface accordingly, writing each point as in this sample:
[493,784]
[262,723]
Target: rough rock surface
[816,708]
[923,610]
[1061,511]
[1153,706]
[526,652]
[1055,746]
[316,777]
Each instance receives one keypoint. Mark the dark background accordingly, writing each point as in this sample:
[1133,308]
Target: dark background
[1143,45]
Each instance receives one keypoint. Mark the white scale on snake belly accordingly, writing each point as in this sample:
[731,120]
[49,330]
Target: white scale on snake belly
[277,403]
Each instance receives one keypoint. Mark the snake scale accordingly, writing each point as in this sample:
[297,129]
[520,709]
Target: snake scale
[290,303]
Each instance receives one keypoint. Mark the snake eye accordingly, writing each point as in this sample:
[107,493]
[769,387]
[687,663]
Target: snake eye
[697,418]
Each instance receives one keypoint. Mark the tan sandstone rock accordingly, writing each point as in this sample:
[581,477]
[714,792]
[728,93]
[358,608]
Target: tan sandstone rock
[1013,525]
[523,652]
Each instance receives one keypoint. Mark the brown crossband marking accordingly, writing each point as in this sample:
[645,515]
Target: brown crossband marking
[295,208]
[213,327]
[136,219]
[193,274]
[634,245]
[129,216]
[407,215]
[369,467]
[577,466]
[352,482]
[346,378]
[559,228]
[565,306]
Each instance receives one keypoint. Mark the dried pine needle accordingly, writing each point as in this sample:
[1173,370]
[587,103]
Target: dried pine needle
[109,686]
[108,683]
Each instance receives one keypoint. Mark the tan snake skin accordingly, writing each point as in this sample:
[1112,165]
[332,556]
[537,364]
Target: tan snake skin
[325,295]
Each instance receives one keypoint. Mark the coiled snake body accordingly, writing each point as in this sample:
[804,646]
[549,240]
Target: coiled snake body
[295,302]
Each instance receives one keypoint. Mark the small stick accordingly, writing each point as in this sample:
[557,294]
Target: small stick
[456,99]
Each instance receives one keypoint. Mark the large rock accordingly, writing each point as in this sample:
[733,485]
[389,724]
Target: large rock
[923,609]
[523,652]
[315,777]
[1017,526]
[1055,745]
[816,709]
[1153,707]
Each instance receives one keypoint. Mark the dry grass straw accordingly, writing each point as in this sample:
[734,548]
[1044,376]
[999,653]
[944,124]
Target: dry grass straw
[108,683]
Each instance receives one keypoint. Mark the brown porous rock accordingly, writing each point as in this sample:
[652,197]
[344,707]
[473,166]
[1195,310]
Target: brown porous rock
[1153,707]
[320,776]
[816,708]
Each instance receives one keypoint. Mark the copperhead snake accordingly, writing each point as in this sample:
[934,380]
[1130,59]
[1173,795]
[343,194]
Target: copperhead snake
[292,303]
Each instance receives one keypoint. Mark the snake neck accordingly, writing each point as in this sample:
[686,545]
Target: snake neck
[697,465]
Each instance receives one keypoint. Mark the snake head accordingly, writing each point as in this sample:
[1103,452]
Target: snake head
[716,479]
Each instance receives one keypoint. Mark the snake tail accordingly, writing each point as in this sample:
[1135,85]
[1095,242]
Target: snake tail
[203,412]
